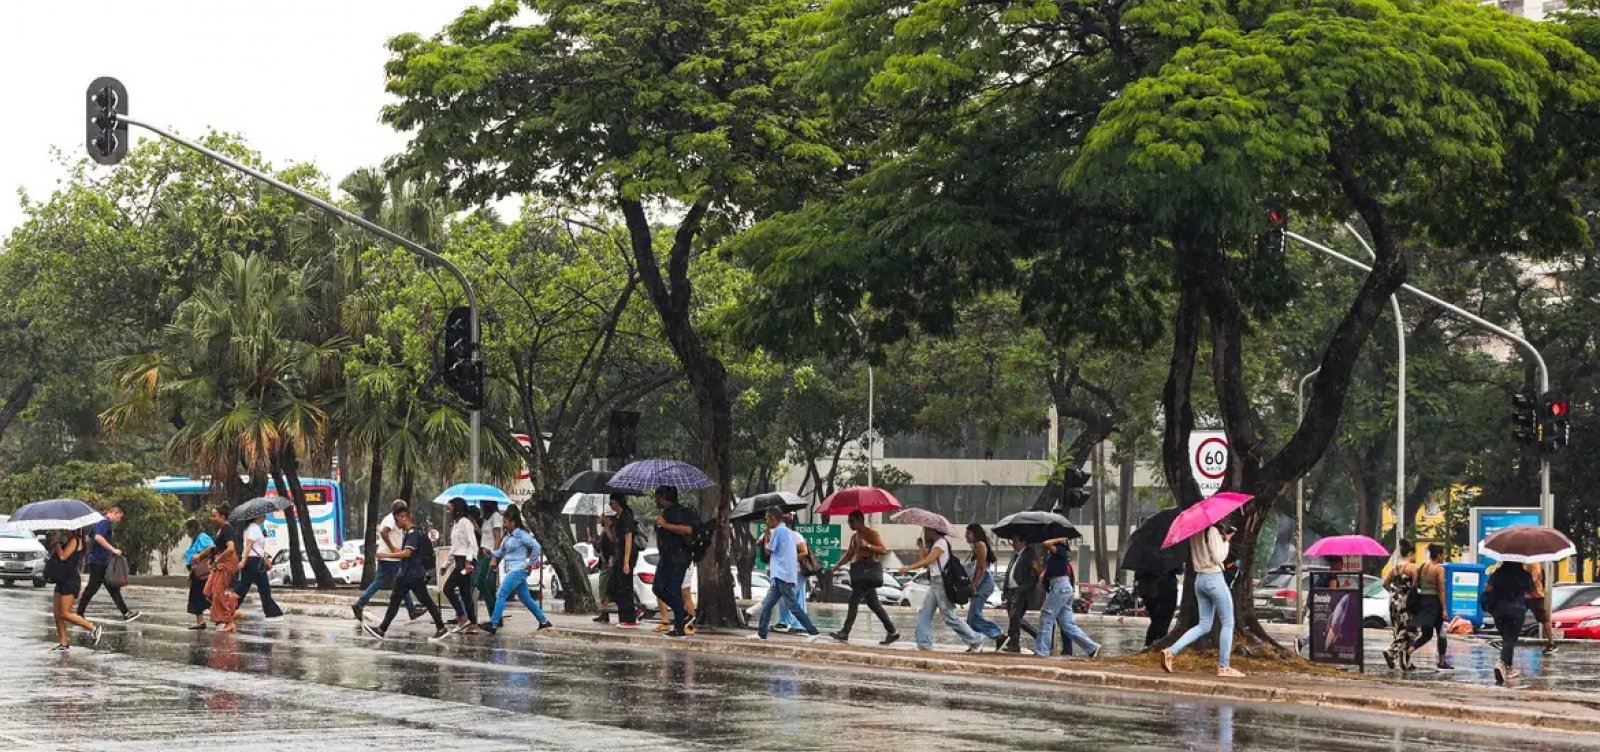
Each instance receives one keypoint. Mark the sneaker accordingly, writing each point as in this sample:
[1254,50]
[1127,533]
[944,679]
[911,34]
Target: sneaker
[999,643]
[840,636]
[889,639]
[1166,660]
[488,628]
[416,612]
[627,625]
[813,636]
[132,616]
[1500,673]
[1096,652]
[357,611]
[974,647]
[543,625]
[603,618]
[756,636]
[375,633]
[1496,643]
[441,633]
[60,648]
[1229,672]
[780,627]
[1513,674]
[663,627]
[1388,657]
[1552,649]
[688,624]
[677,633]
[1445,666]
[1012,648]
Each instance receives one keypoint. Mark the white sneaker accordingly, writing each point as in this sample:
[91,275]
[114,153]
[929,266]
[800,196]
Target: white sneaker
[94,637]
[755,637]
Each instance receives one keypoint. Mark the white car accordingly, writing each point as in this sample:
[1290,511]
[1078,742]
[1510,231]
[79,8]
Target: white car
[345,571]
[644,578]
[916,591]
[21,557]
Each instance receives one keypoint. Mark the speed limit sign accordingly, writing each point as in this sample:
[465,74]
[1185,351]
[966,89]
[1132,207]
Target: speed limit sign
[1208,459]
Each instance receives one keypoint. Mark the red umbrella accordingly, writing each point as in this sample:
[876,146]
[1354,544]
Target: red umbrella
[865,499]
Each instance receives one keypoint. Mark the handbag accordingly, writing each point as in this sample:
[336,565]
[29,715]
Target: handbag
[866,574]
[200,567]
[809,566]
[117,572]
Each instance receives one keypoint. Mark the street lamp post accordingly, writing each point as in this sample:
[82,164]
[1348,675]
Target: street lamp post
[1400,421]
[1300,508]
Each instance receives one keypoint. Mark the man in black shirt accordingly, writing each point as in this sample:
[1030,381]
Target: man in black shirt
[673,529]
[415,556]
[1021,594]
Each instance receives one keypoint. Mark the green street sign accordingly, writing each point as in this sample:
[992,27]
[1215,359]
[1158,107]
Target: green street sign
[825,541]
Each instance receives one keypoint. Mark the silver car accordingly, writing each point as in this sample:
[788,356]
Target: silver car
[21,557]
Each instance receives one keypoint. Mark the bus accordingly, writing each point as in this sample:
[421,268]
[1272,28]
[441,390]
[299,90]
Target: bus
[324,499]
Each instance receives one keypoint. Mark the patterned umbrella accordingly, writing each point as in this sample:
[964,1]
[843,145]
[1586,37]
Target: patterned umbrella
[645,476]
[260,506]
[865,499]
[924,518]
[55,514]
[1527,543]
[756,506]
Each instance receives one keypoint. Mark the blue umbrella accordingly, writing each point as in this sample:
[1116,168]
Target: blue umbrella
[474,493]
[645,476]
[55,514]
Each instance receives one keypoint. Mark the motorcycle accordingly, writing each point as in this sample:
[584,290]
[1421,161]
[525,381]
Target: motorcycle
[1122,602]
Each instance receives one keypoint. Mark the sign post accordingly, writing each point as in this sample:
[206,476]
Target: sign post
[1208,459]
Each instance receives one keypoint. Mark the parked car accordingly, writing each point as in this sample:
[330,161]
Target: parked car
[644,578]
[1579,616]
[916,589]
[1281,606]
[345,571]
[889,594]
[21,557]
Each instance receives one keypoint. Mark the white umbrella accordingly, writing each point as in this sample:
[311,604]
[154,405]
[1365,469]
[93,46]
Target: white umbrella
[590,505]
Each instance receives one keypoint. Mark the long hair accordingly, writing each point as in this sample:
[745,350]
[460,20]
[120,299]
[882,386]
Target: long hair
[458,509]
[515,515]
[979,536]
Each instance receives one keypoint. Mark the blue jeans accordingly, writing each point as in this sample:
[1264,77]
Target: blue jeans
[387,569]
[668,589]
[255,573]
[786,616]
[980,598]
[1057,613]
[1214,599]
[785,592]
[515,582]
[938,600]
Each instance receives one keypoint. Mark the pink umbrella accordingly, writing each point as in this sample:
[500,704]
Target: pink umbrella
[866,499]
[1347,545]
[924,518]
[1208,512]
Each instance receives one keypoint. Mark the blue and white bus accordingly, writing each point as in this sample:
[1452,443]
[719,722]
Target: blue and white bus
[324,500]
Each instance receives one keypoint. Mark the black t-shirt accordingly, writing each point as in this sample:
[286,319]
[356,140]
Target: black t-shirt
[1058,563]
[224,536]
[675,547]
[415,566]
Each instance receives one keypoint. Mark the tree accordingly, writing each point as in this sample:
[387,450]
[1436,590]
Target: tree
[673,107]
[154,521]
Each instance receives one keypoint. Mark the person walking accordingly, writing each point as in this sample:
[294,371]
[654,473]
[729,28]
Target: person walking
[787,621]
[937,602]
[1505,597]
[463,560]
[519,551]
[1429,616]
[197,559]
[101,550]
[782,547]
[1401,582]
[981,570]
[61,568]
[491,532]
[673,528]
[1538,605]
[1159,591]
[866,576]
[1021,593]
[255,571]
[389,539]
[605,550]
[224,565]
[690,589]
[416,560]
[1059,593]
[624,534]
[1207,552]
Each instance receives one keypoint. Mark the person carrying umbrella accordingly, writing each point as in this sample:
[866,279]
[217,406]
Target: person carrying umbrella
[866,576]
[1505,597]
[66,555]
[624,536]
[673,528]
[1208,551]
[463,559]
[1056,582]
[255,567]
[1020,594]
[937,602]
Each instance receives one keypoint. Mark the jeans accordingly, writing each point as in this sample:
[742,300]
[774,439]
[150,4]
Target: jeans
[255,573]
[980,597]
[938,600]
[784,592]
[387,569]
[1017,618]
[869,596]
[404,589]
[1214,600]
[786,615]
[668,588]
[1057,614]
[97,578]
[516,582]
[459,590]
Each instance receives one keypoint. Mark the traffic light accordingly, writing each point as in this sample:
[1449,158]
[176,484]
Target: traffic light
[1525,419]
[1276,238]
[1073,495]
[106,133]
[461,370]
[1555,413]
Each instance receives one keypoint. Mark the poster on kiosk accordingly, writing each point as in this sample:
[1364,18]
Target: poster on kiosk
[1336,634]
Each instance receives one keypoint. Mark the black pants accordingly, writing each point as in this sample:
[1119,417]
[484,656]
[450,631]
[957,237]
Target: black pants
[1429,621]
[417,588]
[459,590]
[622,596]
[668,588]
[1017,617]
[97,578]
[1161,611]
[1509,624]
[868,595]
[255,573]
[198,602]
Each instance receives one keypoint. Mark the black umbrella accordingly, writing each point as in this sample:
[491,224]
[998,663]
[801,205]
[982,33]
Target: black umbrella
[592,482]
[1145,553]
[757,506]
[1034,526]
[260,506]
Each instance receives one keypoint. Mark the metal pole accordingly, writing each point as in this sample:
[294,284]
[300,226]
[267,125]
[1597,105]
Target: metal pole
[1546,502]
[475,420]
[1300,509]
[871,394]
[1400,422]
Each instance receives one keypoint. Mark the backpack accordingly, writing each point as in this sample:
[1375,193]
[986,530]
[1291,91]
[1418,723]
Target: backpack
[957,583]
[699,541]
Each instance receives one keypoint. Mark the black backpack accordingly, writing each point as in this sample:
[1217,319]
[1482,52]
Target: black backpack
[699,541]
[957,583]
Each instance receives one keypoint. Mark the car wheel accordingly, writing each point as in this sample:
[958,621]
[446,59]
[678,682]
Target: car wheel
[39,583]
[1373,622]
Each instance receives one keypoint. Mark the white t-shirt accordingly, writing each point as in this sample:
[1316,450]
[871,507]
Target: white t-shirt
[936,569]
[390,533]
[486,533]
[463,539]
[255,541]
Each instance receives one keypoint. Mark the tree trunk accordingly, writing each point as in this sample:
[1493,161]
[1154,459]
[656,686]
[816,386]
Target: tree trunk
[1102,558]
[346,480]
[544,517]
[302,513]
[297,578]
[1125,499]
[369,534]
[17,401]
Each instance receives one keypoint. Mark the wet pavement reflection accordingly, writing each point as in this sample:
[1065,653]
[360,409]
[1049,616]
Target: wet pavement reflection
[308,683]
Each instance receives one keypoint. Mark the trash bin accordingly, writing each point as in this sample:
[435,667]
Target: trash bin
[1463,583]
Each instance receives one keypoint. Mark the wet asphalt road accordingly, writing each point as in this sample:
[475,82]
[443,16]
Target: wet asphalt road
[303,683]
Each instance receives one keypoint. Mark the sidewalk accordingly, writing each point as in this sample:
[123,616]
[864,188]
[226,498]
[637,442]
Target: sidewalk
[1548,710]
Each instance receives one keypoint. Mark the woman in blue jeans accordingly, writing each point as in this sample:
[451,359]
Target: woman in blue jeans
[1207,553]
[981,570]
[520,552]
[1056,580]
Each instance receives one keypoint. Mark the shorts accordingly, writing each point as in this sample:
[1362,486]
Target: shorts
[691,580]
[72,586]
[1536,605]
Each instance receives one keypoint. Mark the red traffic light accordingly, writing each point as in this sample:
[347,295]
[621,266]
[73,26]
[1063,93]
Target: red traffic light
[1559,409]
[1555,405]
[1275,217]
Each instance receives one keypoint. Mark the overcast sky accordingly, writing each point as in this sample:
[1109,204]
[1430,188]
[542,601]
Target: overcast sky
[301,80]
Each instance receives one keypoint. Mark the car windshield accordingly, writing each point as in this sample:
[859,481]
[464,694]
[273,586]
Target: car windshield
[15,534]
[1374,589]
[1573,595]
[1277,581]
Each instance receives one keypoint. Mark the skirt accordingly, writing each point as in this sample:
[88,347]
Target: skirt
[1429,613]
[72,585]
[198,602]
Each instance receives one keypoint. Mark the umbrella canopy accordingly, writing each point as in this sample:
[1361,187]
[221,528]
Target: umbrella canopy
[1034,527]
[757,506]
[645,476]
[924,518]
[1207,512]
[260,506]
[55,514]
[591,482]
[1347,545]
[474,493]
[588,504]
[1527,543]
[1145,553]
[863,499]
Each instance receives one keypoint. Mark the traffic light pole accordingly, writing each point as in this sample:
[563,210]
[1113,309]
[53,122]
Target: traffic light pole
[475,417]
[1400,419]
[1547,510]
